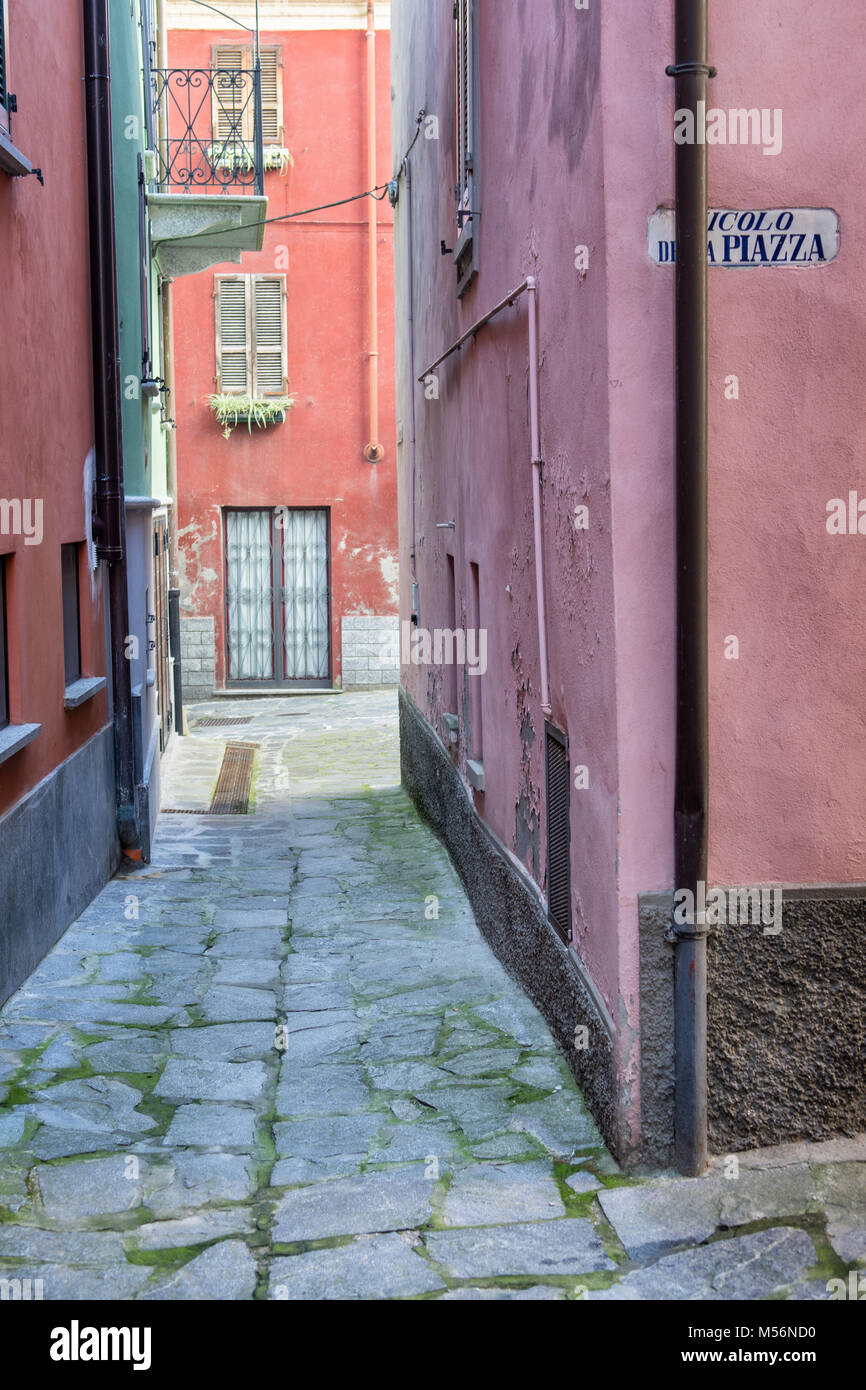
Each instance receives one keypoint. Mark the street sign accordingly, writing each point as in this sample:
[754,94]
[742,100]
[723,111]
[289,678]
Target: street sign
[754,237]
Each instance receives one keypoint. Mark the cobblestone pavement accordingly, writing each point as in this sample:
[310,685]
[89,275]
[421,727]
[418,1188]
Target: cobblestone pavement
[280,1062]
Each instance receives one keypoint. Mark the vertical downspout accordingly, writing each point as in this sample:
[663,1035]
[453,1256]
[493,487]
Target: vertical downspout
[110,519]
[373,453]
[690,801]
[535,437]
[407,172]
[171,439]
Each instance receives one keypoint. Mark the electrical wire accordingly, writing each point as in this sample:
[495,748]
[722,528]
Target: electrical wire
[379,192]
[418,122]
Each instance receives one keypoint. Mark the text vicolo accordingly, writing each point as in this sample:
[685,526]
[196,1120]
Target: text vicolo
[754,237]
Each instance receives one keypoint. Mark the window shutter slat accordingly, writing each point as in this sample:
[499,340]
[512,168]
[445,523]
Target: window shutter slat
[229,93]
[233,344]
[269,335]
[272,103]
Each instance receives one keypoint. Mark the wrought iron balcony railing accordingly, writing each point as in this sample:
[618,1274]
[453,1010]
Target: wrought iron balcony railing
[208,129]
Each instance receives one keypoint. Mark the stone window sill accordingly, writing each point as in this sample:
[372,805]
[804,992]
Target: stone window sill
[475,773]
[15,737]
[452,724]
[80,691]
[12,161]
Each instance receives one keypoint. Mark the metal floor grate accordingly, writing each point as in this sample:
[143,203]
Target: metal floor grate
[217,722]
[232,792]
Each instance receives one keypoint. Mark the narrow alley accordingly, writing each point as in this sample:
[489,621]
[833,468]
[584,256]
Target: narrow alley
[280,1062]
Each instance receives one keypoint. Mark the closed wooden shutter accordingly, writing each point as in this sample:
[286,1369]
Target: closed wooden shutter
[465,101]
[232,334]
[251,335]
[272,96]
[232,106]
[269,335]
[558,832]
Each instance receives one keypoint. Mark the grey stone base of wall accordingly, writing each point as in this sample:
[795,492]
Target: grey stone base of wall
[786,1056]
[198,657]
[370,651]
[512,919]
[58,848]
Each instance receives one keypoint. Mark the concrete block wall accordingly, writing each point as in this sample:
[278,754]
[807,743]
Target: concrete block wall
[197,657]
[371,651]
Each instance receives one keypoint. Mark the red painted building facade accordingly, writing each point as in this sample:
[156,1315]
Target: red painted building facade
[56,742]
[288,532]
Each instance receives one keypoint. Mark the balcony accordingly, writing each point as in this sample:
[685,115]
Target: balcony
[205,174]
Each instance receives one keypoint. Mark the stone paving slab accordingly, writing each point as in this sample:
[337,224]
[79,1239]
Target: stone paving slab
[377,1202]
[652,1221]
[259,1041]
[374,1268]
[748,1267]
[564,1247]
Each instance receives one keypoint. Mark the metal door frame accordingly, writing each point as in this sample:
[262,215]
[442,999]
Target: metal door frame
[279,681]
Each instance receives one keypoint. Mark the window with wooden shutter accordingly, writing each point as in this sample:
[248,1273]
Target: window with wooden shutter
[558,831]
[233,104]
[251,335]
[232,335]
[467,140]
[69,559]
[4,90]
[269,337]
[232,90]
[272,96]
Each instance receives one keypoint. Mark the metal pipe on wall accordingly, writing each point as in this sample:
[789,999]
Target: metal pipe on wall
[373,451]
[691,72]
[535,439]
[407,175]
[110,523]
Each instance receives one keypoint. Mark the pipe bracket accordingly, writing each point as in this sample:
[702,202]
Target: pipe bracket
[691,69]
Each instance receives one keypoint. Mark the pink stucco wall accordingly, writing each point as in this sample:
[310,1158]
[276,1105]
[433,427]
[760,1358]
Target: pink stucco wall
[577,149]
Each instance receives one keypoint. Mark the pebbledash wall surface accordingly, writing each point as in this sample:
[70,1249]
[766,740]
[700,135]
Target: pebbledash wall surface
[314,459]
[573,167]
[56,751]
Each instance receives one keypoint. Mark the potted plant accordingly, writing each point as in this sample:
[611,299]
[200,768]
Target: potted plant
[232,410]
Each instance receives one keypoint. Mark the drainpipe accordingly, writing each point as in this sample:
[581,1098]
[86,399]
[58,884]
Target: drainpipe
[373,452]
[171,435]
[535,438]
[407,174]
[690,800]
[109,519]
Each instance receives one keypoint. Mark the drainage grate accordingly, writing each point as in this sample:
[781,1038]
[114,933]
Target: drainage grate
[232,792]
[558,832]
[215,722]
[181,811]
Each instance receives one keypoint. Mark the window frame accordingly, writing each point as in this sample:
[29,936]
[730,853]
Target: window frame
[252,352]
[5,112]
[467,151]
[71,553]
[5,717]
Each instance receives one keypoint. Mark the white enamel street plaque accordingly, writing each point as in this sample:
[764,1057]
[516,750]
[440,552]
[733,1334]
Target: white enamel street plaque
[762,237]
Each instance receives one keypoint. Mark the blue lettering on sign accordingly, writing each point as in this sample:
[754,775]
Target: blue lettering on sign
[805,236]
